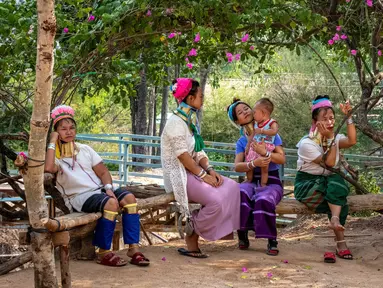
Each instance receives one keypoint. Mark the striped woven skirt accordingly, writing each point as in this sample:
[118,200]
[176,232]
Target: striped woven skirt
[316,191]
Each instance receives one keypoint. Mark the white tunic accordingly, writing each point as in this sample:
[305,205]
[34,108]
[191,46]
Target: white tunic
[177,139]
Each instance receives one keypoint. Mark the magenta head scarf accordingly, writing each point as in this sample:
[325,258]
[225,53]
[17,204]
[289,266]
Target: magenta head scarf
[316,104]
[182,88]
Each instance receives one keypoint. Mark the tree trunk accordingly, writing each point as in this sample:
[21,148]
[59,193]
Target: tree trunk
[42,246]
[15,262]
[140,118]
[203,76]
[165,99]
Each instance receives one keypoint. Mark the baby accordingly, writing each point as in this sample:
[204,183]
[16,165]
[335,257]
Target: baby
[264,131]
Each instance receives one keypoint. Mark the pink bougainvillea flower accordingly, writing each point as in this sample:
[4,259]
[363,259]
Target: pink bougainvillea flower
[197,38]
[172,35]
[252,48]
[343,37]
[187,59]
[269,275]
[336,37]
[285,261]
[244,270]
[189,65]
[369,3]
[330,42]
[354,52]
[237,56]
[379,52]
[192,52]
[229,59]
[338,28]
[23,155]
[179,33]
[348,1]
[229,55]
[91,18]
[245,38]
[149,13]
[65,30]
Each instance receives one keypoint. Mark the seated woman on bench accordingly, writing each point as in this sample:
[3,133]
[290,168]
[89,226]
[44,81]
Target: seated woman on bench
[86,186]
[189,176]
[258,203]
[315,186]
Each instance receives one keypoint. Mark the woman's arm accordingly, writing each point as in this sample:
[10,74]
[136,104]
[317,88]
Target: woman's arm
[240,166]
[330,159]
[102,172]
[350,140]
[50,165]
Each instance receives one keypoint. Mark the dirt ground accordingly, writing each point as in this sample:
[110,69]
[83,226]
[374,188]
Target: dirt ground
[299,264]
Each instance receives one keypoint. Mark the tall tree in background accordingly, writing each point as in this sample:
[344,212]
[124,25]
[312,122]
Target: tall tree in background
[42,246]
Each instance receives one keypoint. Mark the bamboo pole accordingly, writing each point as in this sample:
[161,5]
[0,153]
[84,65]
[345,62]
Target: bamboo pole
[15,262]
[70,221]
[42,247]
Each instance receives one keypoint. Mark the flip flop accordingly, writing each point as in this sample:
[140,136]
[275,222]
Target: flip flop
[329,257]
[272,249]
[194,254]
[243,244]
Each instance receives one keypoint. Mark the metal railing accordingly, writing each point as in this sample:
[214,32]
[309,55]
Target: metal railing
[119,151]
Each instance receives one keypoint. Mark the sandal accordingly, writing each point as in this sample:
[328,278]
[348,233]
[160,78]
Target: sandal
[196,254]
[111,259]
[344,254]
[272,249]
[243,244]
[139,259]
[329,257]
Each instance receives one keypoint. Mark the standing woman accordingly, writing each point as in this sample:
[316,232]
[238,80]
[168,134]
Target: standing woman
[315,186]
[189,176]
[258,203]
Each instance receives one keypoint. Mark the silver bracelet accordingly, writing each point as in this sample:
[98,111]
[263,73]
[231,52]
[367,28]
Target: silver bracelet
[201,173]
[350,121]
[108,187]
[210,167]
[52,146]
[267,154]
[248,165]
[252,164]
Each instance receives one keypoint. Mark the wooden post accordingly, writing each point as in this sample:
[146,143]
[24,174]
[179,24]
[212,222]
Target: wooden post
[42,246]
[66,279]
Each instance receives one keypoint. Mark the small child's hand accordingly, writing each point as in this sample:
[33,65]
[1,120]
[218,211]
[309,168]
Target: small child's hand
[258,130]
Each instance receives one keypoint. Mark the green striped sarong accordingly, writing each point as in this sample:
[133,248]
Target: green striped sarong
[316,191]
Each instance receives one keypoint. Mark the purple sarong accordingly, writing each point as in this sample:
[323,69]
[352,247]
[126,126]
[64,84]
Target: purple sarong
[258,205]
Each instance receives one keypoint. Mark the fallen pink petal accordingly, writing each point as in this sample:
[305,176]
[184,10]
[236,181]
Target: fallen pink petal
[163,259]
[285,261]
[197,38]
[269,275]
[244,270]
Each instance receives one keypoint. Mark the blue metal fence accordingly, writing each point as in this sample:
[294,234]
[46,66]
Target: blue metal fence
[119,151]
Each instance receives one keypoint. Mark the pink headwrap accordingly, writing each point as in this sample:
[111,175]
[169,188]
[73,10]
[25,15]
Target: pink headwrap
[62,112]
[320,103]
[182,88]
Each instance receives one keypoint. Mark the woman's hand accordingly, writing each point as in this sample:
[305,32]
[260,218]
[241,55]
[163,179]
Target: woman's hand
[346,107]
[209,179]
[260,149]
[54,137]
[328,134]
[262,162]
[216,176]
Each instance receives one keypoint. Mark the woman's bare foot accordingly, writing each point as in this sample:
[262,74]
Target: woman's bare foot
[335,224]
[192,242]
